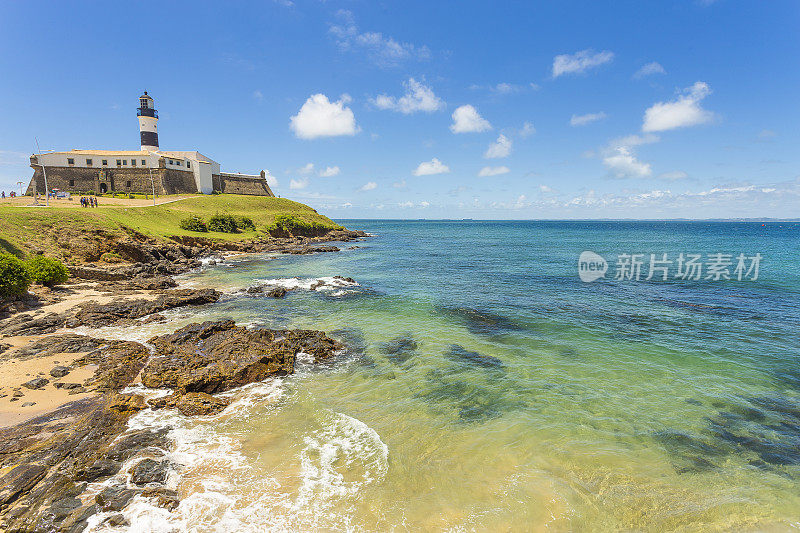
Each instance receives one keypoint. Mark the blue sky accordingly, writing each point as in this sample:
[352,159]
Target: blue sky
[623,109]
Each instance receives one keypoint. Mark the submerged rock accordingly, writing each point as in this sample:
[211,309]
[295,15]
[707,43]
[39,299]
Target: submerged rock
[400,348]
[277,292]
[482,322]
[459,354]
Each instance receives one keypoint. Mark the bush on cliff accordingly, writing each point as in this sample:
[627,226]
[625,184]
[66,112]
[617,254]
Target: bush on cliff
[245,223]
[290,224]
[46,271]
[14,277]
[223,223]
[193,223]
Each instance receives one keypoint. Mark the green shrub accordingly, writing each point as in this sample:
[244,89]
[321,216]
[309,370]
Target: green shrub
[290,224]
[245,223]
[46,271]
[14,277]
[222,223]
[193,223]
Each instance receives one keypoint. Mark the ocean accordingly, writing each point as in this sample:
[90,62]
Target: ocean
[486,387]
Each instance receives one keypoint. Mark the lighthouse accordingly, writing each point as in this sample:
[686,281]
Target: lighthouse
[148,123]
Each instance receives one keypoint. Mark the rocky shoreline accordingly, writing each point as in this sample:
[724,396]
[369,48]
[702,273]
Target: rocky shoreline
[49,461]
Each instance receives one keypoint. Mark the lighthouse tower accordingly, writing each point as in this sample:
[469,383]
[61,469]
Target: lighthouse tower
[148,123]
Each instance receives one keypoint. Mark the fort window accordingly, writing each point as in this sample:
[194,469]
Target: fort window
[105,162]
[71,183]
[124,161]
[70,161]
[133,162]
[119,162]
[188,165]
[88,162]
[128,184]
[144,162]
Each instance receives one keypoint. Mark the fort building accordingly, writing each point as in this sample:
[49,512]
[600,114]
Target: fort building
[146,170]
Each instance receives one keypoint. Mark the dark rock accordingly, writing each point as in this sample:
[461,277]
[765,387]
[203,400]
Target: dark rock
[36,383]
[28,404]
[257,289]
[218,356]
[116,520]
[200,404]
[277,292]
[59,371]
[135,442]
[28,325]
[115,498]
[67,386]
[101,469]
[96,315]
[166,498]
[54,344]
[349,280]
[118,364]
[149,471]
[19,481]
[62,508]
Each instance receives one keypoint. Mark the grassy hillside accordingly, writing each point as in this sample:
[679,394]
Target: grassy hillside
[23,229]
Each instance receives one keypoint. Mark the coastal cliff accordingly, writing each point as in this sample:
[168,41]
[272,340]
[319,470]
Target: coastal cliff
[68,396]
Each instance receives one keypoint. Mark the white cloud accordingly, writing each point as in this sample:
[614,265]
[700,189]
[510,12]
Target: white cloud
[674,175]
[527,130]
[370,185]
[493,171]
[399,184]
[506,88]
[582,120]
[424,204]
[580,62]
[499,149]
[306,170]
[418,97]
[320,117]
[648,70]
[301,183]
[521,202]
[546,189]
[680,113]
[466,119]
[767,134]
[258,95]
[621,160]
[329,172]
[383,50]
[405,204]
[624,164]
[272,181]
[429,168]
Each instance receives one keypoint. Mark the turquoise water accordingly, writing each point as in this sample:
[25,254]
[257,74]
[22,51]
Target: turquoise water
[485,387]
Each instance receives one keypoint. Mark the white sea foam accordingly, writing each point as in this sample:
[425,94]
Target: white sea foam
[329,285]
[228,493]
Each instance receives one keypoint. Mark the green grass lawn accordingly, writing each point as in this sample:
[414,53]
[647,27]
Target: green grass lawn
[23,229]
